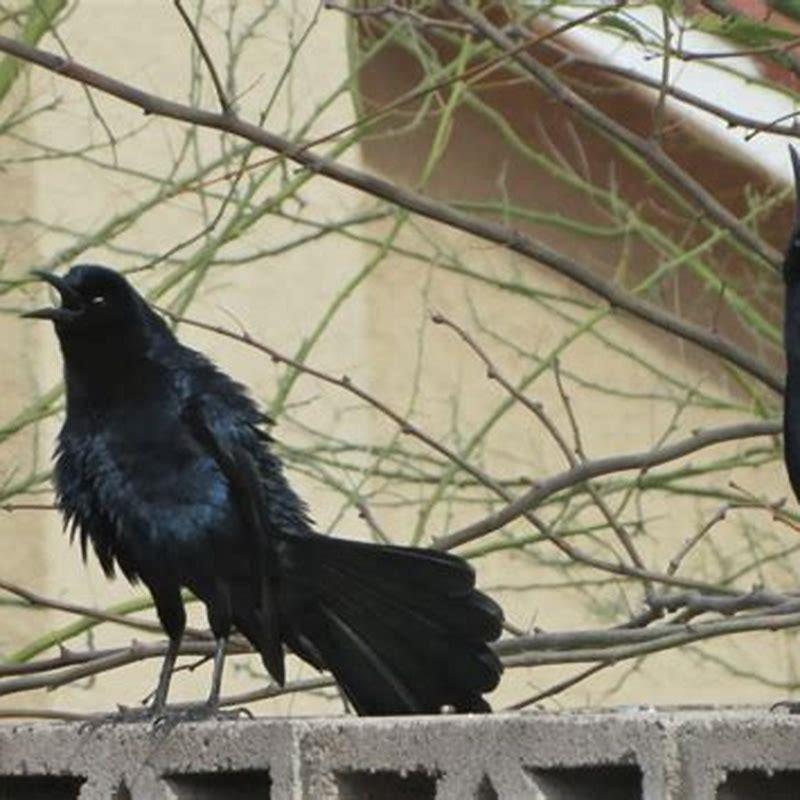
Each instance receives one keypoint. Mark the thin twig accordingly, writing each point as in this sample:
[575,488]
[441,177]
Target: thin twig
[647,149]
[561,686]
[224,103]
[605,466]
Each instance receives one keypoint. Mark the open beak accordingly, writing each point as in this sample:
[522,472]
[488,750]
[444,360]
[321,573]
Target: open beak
[72,304]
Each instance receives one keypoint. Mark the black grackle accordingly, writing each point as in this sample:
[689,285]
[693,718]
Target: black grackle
[164,466]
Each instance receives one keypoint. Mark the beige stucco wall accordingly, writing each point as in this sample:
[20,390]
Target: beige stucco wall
[375,339]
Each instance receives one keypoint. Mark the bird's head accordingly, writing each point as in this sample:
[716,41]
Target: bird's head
[791,261]
[99,310]
[93,299]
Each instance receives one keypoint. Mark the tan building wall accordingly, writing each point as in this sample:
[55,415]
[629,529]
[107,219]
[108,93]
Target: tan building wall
[380,336]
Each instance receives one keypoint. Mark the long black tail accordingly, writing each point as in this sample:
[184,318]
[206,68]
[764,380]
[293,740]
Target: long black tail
[402,629]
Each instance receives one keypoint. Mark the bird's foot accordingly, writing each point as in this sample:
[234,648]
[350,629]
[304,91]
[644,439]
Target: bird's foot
[123,715]
[789,706]
[167,717]
[197,712]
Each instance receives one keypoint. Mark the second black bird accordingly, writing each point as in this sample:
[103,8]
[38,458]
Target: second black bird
[164,466]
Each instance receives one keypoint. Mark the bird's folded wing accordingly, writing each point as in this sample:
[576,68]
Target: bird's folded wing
[219,438]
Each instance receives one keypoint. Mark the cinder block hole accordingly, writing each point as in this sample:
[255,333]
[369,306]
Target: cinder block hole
[40,787]
[386,785]
[486,790]
[602,782]
[749,783]
[252,785]
[122,793]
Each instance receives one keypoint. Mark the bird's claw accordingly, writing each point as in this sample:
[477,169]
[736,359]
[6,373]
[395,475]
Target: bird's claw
[123,715]
[201,712]
[166,718]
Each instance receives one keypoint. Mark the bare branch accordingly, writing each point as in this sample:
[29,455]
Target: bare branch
[606,466]
[617,297]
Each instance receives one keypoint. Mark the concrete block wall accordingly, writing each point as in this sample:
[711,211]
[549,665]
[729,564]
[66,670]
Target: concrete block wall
[634,754]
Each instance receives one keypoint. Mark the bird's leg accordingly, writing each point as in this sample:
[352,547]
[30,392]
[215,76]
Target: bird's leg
[167,717]
[198,712]
[157,710]
[211,706]
[165,676]
[172,616]
[216,676]
[219,616]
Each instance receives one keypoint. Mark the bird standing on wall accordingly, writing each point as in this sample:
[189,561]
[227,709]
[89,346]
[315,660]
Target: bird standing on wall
[163,465]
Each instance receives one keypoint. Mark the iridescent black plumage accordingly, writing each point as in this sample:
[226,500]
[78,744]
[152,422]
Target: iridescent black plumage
[164,466]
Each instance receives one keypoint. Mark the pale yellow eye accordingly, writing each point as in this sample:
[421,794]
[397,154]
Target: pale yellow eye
[99,300]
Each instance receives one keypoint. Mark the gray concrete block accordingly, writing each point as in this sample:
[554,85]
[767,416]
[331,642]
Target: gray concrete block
[547,756]
[629,754]
[133,760]
[739,754]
